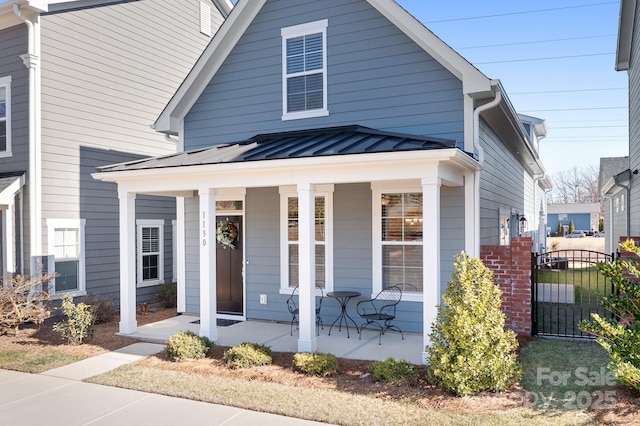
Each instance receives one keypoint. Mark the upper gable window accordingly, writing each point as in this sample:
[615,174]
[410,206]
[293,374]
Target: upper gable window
[5,116]
[304,70]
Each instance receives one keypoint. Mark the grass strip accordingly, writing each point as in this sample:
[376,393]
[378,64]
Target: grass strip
[35,360]
[312,404]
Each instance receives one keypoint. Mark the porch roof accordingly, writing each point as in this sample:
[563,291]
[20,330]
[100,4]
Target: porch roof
[329,141]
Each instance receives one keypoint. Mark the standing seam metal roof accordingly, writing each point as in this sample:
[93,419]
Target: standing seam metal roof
[295,144]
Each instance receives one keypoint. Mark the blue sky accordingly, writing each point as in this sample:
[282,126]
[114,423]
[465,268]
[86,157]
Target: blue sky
[566,50]
[585,99]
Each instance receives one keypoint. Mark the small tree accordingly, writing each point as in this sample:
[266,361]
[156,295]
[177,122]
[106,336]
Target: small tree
[601,225]
[560,229]
[620,335]
[22,300]
[572,226]
[471,351]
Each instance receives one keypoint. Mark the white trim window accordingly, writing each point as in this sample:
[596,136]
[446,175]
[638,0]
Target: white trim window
[304,70]
[5,116]
[398,247]
[150,250]
[66,242]
[323,238]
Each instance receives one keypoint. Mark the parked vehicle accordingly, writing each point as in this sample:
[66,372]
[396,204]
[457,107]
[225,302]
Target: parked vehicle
[576,234]
[599,234]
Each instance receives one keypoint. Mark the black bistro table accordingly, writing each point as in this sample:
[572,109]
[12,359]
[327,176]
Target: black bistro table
[343,298]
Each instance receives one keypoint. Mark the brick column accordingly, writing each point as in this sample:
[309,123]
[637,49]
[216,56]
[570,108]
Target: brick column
[511,266]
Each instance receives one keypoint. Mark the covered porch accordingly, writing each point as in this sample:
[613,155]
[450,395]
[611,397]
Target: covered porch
[277,336]
[303,166]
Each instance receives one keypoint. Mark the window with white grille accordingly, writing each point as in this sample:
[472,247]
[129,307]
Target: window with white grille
[304,70]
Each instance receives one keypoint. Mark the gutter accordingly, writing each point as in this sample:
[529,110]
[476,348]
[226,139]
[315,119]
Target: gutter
[31,61]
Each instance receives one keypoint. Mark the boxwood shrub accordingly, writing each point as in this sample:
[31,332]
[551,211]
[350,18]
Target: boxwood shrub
[247,355]
[318,364]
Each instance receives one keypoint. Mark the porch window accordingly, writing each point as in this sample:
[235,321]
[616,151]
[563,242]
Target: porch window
[66,242]
[304,70]
[5,116]
[402,241]
[323,252]
[150,252]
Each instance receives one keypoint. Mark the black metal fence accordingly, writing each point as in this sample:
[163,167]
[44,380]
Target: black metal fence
[566,288]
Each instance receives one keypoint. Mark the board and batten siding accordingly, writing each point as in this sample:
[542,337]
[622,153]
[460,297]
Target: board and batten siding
[13,43]
[377,77]
[634,128]
[107,73]
[502,185]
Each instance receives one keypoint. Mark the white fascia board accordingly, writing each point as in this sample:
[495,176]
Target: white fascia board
[610,188]
[207,65]
[625,34]
[450,164]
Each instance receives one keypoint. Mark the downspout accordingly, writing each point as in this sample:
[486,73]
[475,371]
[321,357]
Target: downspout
[30,60]
[477,146]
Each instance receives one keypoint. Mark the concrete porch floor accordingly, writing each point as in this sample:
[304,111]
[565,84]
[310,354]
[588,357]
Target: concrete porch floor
[277,337]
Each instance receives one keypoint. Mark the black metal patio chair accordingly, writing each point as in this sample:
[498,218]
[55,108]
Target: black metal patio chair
[294,310]
[380,311]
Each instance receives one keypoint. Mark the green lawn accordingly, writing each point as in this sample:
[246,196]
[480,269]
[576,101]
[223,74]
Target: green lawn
[566,374]
[35,360]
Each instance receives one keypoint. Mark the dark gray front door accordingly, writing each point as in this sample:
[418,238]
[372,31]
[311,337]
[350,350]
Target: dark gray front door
[230,294]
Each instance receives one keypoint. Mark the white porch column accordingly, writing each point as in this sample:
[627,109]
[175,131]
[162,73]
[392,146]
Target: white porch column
[208,306]
[8,242]
[128,323]
[431,257]
[307,341]
[180,254]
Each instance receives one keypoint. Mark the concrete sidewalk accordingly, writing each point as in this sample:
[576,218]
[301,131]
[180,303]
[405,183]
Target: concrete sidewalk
[58,397]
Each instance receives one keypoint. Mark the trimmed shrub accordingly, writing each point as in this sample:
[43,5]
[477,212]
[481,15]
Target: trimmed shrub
[471,351]
[560,229]
[187,345]
[247,355]
[167,295]
[318,364]
[572,226]
[104,308]
[392,370]
[620,335]
[80,321]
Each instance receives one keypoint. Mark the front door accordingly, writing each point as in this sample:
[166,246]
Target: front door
[230,294]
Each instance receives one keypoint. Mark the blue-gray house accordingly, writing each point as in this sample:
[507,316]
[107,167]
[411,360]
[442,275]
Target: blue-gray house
[333,141]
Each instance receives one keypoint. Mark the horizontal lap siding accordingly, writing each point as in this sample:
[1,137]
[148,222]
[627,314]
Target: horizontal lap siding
[262,222]
[107,73]
[401,88]
[502,185]
[192,254]
[13,43]
[634,131]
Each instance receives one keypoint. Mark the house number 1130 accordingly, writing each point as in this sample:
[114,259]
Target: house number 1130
[204,229]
